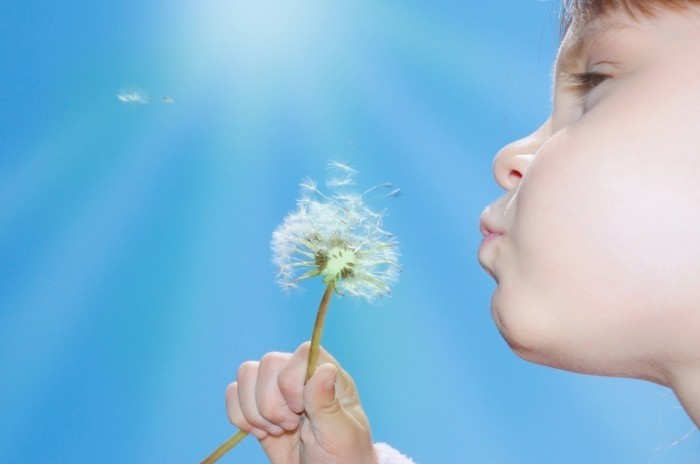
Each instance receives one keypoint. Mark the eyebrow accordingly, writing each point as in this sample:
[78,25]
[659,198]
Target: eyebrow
[591,33]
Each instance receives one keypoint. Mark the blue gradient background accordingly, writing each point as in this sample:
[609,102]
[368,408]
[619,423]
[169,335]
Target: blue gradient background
[135,269]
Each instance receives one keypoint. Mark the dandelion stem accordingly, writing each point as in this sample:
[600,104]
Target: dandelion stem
[225,447]
[318,330]
[310,369]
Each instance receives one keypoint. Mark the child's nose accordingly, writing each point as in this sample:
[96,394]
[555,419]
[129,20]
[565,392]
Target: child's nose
[513,160]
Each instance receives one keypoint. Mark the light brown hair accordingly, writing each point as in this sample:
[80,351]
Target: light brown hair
[587,10]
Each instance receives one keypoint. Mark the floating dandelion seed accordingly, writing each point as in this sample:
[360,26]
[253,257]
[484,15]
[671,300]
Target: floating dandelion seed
[336,236]
[133,94]
[167,99]
[395,193]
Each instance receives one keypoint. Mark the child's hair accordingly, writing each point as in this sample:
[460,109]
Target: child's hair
[587,10]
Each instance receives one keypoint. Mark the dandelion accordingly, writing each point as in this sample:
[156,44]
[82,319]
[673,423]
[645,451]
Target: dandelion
[337,237]
[133,94]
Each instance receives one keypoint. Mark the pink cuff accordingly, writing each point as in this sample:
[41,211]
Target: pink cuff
[388,455]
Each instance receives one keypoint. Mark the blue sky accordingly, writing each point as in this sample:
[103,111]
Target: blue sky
[135,270]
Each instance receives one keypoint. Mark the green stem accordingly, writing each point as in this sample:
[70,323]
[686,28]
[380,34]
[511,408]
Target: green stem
[318,331]
[225,447]
[310,368]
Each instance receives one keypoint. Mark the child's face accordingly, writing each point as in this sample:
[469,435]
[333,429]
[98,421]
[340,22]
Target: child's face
[598,264]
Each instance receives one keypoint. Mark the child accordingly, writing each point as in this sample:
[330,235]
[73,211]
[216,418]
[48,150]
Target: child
[594,245]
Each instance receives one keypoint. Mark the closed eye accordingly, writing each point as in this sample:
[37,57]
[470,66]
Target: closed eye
[585,82]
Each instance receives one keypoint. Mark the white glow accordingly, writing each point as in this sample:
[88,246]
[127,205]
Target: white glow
[251,36]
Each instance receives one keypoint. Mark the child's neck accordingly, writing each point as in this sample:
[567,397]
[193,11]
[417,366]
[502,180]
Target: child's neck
[687,389]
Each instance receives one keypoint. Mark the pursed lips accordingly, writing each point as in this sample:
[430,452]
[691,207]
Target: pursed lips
[488,225]
[490,231]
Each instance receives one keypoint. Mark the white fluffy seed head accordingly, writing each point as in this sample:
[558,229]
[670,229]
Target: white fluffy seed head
[338,237]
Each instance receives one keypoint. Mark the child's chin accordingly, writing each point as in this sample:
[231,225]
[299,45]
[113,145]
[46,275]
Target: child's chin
[531,334]
[519,325]
[547,345]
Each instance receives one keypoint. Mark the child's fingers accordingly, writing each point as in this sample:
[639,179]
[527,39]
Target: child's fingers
[247,381]
[235,414]
[271,403]
[291,379]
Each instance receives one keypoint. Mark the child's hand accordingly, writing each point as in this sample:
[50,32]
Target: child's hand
[317,423]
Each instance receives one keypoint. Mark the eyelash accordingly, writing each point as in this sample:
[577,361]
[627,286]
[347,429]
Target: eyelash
[585,82]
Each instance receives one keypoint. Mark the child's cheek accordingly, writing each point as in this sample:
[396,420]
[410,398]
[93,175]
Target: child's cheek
[565,266]
[604,229]
[561,234]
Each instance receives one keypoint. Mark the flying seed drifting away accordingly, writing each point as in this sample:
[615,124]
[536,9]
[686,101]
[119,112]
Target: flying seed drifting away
[133,94]
[167,100]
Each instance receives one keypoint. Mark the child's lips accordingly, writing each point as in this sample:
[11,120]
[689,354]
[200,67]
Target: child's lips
[488,238]
[485,257]
[488,228]
[490,233]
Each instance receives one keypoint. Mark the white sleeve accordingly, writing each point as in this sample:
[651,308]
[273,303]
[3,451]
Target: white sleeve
[388,455]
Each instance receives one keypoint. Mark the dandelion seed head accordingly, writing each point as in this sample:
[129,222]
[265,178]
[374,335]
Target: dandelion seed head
[338,237]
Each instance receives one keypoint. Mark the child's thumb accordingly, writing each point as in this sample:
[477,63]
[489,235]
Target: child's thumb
[320,402]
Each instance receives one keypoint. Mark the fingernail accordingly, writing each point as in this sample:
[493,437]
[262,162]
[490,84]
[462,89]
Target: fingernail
[275,430]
